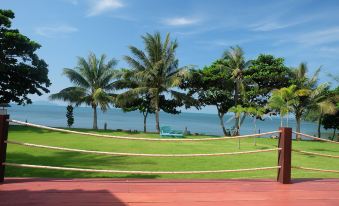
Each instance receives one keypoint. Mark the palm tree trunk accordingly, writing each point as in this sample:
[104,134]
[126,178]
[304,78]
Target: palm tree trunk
[221,118]
[319,124]
[287,120]
[236,97]
[281,121]
[95,117]
[241,121]
[157,111]
[334,132]
[298,119]
[255,129]
[145,121]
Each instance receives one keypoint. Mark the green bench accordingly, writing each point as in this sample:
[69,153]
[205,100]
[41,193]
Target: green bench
[167,131]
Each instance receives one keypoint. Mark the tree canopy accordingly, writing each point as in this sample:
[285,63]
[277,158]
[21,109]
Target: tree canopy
[213,85]
[267,73]
[156,70]
[22,71]
[93,84]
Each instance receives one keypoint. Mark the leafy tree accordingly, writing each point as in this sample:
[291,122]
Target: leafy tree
[331,121]
[267,73]
[140,102]
[69,116]
[22,71]
[157,67]
[213,85]
[93,82]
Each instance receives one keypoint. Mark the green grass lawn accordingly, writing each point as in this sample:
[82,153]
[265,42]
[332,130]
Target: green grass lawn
[39,156]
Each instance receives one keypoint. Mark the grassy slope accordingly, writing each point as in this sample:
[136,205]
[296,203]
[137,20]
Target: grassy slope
[20,154]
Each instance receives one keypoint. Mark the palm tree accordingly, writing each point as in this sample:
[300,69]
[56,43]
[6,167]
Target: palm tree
[157,67]
[323,102]
[238,111]
[235,61]
[305,88]
[282,100]
[92,79]
[256,113]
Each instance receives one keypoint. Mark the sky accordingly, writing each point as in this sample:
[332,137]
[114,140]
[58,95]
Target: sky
[299,31]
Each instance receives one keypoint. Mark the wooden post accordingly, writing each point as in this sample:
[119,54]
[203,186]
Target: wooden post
[3,145]
[284,156]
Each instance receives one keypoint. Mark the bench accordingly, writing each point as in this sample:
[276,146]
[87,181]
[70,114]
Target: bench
[167,131]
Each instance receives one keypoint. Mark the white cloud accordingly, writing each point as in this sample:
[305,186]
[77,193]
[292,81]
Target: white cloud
[98,7]
[270,26]
[324,36]
[55,31]
[180,21]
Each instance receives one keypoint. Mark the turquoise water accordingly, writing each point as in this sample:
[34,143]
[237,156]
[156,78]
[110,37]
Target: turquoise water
[116,119]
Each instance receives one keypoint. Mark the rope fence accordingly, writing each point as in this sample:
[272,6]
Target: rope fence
[284,155]
[314,153]
[315,138]
[315,169]
[137,138]
[137,154]
[136,172]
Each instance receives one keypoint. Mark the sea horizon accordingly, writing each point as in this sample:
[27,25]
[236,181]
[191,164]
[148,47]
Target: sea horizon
[195,122]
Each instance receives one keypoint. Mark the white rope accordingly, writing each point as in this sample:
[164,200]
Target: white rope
[136,154]
[314,153]
[316,138]
[315,169]
[136,172]
[136,138]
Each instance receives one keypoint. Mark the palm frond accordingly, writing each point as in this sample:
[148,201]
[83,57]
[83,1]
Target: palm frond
[70,94]
[76,78]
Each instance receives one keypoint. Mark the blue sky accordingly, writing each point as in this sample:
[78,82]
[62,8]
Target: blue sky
[302,30]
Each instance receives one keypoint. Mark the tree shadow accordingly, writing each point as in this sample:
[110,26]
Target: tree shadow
[76,160]
[325,150]
[21,128]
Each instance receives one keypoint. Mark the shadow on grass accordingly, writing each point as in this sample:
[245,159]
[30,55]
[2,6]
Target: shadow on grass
[76,160]
[324,150]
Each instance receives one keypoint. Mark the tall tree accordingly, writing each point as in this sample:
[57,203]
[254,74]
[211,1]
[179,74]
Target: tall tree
[130,100]
[235,61]
[157,67]
[305,91]
[213,85]
[22,71]
[93,84]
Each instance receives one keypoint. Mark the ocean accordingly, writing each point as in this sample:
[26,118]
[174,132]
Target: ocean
[52,115]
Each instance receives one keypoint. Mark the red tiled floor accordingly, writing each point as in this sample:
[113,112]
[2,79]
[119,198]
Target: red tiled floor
[38,191]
